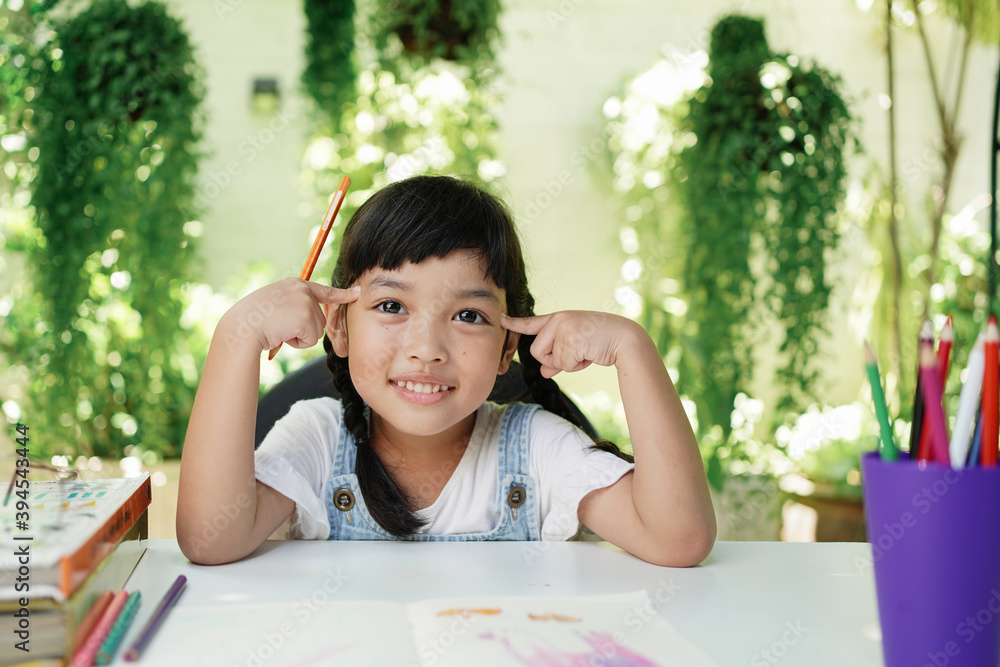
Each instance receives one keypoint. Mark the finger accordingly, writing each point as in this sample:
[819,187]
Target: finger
[549,372]
[328,294]
[529,326]
[319,318]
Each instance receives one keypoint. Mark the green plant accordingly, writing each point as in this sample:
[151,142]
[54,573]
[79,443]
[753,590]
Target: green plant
[825,445]
[732,180]
[912,234]
[411,113]
[422,30]
[96,334]
[329,76]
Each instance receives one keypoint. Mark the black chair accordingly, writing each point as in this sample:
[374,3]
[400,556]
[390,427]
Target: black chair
[313,380]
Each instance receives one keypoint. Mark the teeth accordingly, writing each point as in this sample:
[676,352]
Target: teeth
[423,388]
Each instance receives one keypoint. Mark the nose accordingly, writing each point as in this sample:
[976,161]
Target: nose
[425,342]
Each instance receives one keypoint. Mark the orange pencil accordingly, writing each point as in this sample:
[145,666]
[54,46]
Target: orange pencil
[925,453]
[96,610]
[991,396]
[317,246]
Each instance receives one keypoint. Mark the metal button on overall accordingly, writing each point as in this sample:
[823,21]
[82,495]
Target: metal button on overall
[516,498]
[343,500]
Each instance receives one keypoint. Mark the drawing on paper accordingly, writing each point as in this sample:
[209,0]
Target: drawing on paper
[603,649]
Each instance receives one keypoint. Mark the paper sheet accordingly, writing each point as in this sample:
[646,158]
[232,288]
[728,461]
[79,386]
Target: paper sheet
[581,631]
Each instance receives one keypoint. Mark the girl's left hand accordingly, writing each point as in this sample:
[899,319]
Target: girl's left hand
[571,340]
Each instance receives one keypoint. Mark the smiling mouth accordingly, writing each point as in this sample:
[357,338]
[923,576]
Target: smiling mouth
[422,387]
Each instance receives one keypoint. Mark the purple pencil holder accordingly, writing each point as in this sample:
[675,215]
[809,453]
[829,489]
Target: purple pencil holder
[935,536]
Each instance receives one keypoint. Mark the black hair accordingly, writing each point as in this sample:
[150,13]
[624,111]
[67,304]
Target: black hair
[409,221]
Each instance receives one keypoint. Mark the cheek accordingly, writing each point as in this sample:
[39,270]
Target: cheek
[367,364]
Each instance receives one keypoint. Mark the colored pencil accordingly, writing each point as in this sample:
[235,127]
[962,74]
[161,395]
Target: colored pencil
[156,620]
[93,614]
[917,426]
[887,451]
[932,404]
[320,241]
[991,395]
[977,443]
[968,405]
[110,644]
[943,358]
[84,657]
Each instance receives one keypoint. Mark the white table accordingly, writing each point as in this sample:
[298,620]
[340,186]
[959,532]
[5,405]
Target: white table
[749,603]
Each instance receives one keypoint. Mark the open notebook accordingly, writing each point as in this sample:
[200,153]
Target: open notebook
[533,631]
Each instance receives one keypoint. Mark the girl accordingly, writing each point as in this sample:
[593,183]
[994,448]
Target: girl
[429,304]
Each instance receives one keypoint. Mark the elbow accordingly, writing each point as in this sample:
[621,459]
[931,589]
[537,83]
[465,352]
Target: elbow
[697,549]
[686,550]
[204,552]
[203,547]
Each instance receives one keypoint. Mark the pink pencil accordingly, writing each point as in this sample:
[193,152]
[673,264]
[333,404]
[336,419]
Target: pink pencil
[84,657]
[933,410]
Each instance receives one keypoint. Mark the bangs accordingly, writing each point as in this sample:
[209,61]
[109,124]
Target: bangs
[430,216]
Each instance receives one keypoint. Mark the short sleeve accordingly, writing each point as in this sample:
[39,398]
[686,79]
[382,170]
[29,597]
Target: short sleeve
[567,469]
[295,458]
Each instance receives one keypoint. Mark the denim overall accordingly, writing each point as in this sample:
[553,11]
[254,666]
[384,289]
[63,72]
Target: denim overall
[516,502]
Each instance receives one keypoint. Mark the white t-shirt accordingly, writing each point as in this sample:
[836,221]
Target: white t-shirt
[296,456]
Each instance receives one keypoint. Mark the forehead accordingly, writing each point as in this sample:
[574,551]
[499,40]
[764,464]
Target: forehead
[460,274]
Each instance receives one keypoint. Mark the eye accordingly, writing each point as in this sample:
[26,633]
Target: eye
[390,307]
[470,317]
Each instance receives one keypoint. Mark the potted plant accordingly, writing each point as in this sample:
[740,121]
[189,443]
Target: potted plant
[730,168]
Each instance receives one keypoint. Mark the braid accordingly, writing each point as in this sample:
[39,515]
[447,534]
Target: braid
[386,502]
[542,390]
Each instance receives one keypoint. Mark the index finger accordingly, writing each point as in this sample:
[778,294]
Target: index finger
[328,294]
[529,326]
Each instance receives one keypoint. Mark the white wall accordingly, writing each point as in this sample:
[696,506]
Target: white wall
[561,60]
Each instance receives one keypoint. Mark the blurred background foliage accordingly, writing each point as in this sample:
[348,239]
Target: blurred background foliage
[101,131]
[728,244]
[424,97]
[732,172]
[106,328]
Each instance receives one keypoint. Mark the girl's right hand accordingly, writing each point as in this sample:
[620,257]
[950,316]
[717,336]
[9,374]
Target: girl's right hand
[288,311]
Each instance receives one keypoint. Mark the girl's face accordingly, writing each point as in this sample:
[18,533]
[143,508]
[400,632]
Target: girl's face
[424,341]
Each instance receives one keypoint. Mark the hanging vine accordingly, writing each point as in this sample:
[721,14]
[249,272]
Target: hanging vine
[330,74]
[114,137]
[733,188]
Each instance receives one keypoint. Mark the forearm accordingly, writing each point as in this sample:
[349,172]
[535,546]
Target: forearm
[217,498]
[669,488]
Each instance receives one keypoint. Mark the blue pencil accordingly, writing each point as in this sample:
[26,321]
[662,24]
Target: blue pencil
[977,441]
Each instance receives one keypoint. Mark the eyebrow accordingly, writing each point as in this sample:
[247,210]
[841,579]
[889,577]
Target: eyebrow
[480,293]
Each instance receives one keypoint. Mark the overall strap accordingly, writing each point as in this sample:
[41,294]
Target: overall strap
[512,448]
[345,453]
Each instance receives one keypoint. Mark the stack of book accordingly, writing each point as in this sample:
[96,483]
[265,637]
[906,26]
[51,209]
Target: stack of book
[62,544]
